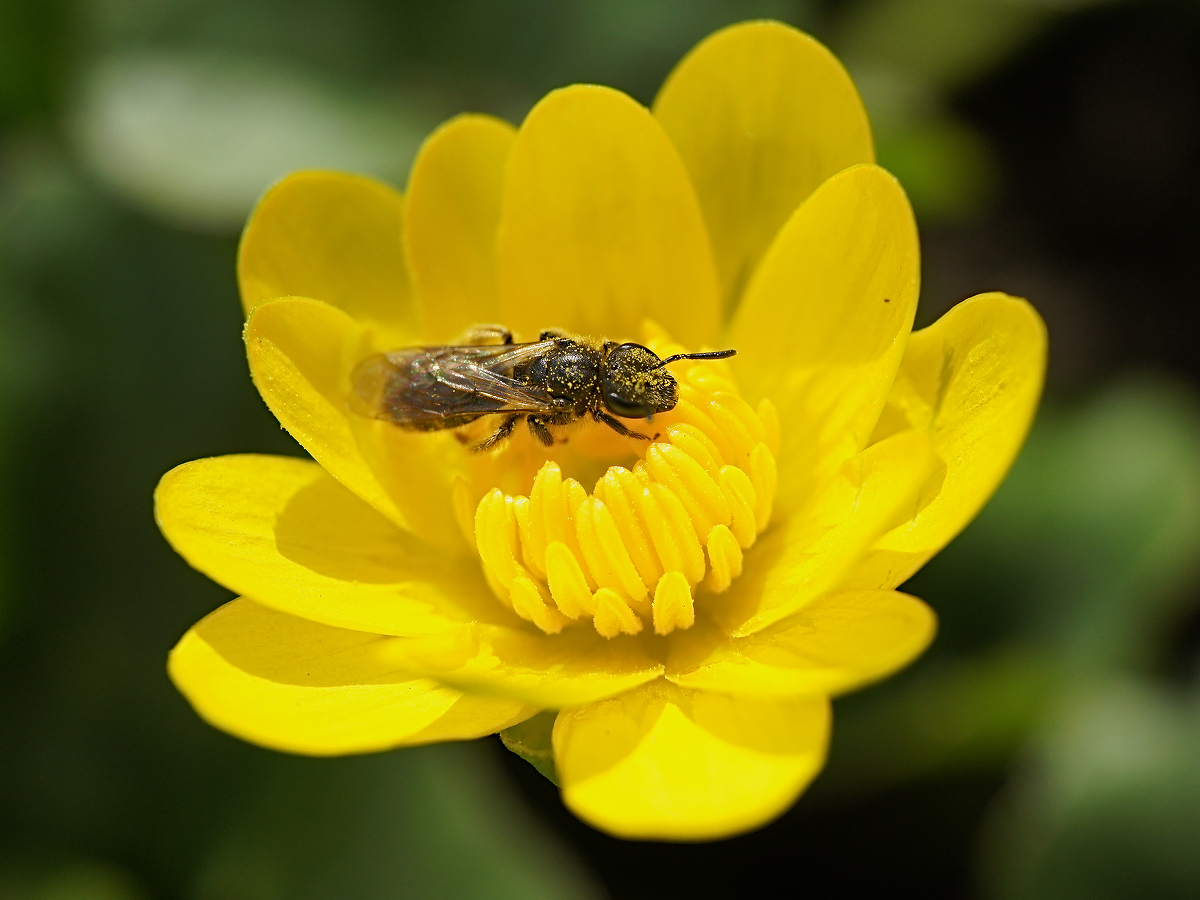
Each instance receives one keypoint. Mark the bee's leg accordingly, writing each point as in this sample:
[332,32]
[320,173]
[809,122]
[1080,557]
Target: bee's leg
[481,335]
[505,429]
[539,430]
[617,426]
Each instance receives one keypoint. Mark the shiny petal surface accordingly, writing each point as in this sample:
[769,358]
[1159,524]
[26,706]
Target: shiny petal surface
[823,325]
[667,763]
[834,644]
[972,380]
[547,671]
[332,237]
[453,213]
[295,685]
[761,114]
[285,533]
[809,553]
[600,227]
[302,353]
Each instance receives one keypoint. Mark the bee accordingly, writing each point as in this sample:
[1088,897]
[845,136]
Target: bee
[554,381]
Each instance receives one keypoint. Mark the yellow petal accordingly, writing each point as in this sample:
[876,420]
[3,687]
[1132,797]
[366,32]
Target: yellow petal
[285,533]
[972,380]
[549,671]
[834,644]
[761,114]
[808,554]
[667,763]
[332,237]
[824,322]
[599,227]
[302,353]
[294,685]
[452,215]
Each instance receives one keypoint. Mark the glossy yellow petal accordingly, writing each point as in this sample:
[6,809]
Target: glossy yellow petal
[545,670]
[972,380]
[761,114]
[836,643]
[599,227]
[823,325]
[809,553]
[285,533]
[667,763]
[453,212]
[295,685]
[332,237]
[302,353]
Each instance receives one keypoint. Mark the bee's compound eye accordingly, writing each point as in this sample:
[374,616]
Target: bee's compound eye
[626,407]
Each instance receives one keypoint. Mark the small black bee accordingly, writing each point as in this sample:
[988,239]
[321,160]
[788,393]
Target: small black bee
[554,381]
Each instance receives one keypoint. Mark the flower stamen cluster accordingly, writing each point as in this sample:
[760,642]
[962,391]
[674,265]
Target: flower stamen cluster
[648,536]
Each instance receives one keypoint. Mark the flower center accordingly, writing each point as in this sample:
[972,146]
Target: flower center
[648,536]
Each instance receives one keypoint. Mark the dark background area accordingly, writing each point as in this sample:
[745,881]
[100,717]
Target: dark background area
[1048,746]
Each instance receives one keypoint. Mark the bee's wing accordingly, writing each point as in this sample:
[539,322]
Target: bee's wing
[423,387]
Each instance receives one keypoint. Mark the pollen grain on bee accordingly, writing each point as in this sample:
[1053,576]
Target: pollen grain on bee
[635,550]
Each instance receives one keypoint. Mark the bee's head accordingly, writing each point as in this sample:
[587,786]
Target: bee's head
[637,384]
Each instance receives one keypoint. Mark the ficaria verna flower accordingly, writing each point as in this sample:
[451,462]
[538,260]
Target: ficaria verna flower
[687,605]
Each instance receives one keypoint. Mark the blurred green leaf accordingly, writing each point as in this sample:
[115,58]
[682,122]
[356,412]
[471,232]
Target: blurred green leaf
[1108,807]
[76,880]
[944,165]
[30,58]
[945,43]
[430,822]
[958,715]
[196,138]
[1098,526]
[907,57]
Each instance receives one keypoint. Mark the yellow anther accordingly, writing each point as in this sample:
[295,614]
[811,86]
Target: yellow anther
[528,603]
[739,491]
[594,558]
[673,606]
[724,559]
[613,615]
[705,379]
[683,532]
[616,555]
[548,499]
[568,586]
[573,496]
[617,489]
[693,408]
[533,536]
[741,410]
[696,444]
[662,536]
[769,416]
[687,479]
[766,479]
[495,536]
[733,428]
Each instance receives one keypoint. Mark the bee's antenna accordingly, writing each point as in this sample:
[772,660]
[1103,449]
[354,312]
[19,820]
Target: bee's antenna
[711,354]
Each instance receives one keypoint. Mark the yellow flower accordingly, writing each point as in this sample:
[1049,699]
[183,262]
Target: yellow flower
[692,614]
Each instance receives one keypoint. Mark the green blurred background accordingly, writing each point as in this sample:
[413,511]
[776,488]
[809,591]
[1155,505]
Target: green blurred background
[1048,746]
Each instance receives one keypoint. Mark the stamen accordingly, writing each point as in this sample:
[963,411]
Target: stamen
[636,549]
[673,607]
